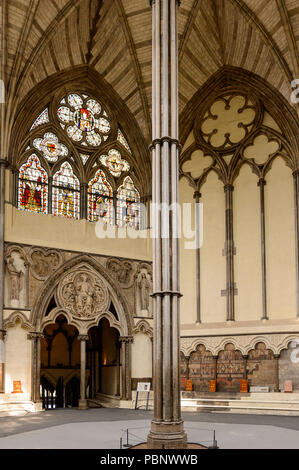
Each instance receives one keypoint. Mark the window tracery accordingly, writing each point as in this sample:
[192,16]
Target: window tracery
[76,127]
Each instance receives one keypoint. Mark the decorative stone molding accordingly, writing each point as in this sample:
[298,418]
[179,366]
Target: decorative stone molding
[17,317]
[244,343]
[83,326]
[143,327]
[44,262]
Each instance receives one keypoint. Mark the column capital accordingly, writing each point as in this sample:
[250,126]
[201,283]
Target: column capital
[2,334]
[163,293]
[164,139]
[35,335]
[83,338]
[197,194]
[126,339]
[228,187]
[277,356]
[4,162]
[152,2]
[296,173]
[215,357]
[262,182]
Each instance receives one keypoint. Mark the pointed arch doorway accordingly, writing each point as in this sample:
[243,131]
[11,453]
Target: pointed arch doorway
[89,345]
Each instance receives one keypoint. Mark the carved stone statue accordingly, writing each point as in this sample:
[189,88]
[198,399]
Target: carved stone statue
[144,290]
[15,280]
[84,294]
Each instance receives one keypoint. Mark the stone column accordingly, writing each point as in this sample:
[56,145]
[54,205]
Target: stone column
[276,356]
[230,251]
[187,360]
[3,164]
[296,194]
[35,338]
[167,430]
[215,360]
[197,197]
[245,357]
[83,201]
[126,389]
[262,184]
[2,361]
[50,195]
[97,372]
[83,402]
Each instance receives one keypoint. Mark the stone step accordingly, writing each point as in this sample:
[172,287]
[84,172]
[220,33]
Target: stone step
[241,406]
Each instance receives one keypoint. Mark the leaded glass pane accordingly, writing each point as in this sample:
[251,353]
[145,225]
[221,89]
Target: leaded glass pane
[128,205]
[50,147]
[115,163]
[66,193]
[33,186]
[100,199]
[43,118]
[121,138]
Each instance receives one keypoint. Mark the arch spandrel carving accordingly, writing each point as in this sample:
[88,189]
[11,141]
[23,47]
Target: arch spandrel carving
[44,262]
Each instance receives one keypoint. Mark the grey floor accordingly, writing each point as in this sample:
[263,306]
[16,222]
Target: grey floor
[103,428]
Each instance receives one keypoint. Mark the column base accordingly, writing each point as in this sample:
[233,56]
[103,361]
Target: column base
[83,405]
[167,435]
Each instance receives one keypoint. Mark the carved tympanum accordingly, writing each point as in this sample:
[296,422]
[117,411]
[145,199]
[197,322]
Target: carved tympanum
[83,294]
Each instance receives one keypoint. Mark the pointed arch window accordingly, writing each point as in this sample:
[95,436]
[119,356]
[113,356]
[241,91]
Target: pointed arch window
[100,199]
[66,193]
[33,186]
[128,205]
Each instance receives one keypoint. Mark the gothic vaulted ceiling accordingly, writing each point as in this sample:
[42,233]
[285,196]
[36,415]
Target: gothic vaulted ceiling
[42,37]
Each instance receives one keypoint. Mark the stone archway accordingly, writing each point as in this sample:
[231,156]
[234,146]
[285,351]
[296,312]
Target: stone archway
[82,292]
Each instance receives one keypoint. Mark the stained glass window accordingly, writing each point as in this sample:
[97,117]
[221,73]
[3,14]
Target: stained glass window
[33,186]
[100,199]
[43,118]
[114,162]
[66,193]
[50,147]
[121,138]
[128,205]
[84,120]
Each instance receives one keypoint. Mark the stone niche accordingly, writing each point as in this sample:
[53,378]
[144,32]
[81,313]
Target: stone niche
[261,367]
[289,366]
[230,369]
[201,369]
